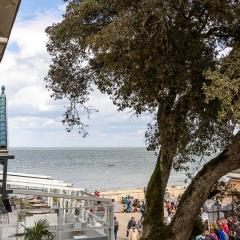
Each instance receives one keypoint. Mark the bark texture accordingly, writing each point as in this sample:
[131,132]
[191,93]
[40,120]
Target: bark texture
[154,227]
[200,187]
[153,222]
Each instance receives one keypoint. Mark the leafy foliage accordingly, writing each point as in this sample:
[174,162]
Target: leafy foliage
[225,86]
[149,56]
[158,57]
[38,232]
[226,190]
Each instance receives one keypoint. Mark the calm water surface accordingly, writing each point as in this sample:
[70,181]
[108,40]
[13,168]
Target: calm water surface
[90,168]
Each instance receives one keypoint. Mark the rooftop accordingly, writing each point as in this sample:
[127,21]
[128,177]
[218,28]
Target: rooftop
[8,11]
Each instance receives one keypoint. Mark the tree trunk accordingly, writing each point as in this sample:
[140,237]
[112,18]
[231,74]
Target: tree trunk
[154,218]
[153,226]
[200,187]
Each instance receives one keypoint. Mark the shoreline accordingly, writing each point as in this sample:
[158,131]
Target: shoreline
[138,193]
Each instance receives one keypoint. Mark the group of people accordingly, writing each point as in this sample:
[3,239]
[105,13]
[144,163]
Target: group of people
[134,229]
[171,207]
[222,229]
[133,205]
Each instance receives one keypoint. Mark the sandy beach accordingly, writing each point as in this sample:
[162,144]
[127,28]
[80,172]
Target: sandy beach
[137,193]
[123,219]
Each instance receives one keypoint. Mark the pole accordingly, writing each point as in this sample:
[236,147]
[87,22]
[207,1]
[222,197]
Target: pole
[4,183]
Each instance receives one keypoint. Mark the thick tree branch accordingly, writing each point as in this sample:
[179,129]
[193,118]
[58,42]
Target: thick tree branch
[198,191]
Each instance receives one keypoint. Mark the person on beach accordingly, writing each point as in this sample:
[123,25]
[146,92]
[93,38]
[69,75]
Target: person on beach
[168,207]
[225,226]
[131,224]
[135,205]
[232,233]
[238,232]
[142,209]
[133,234]
[116,227]
[221,233]
[125,200]
[144,191]
[213,234]
[129,207]
[205,226]
[100,210]
[77,210]
[139,227]
[172,200]
[97,193]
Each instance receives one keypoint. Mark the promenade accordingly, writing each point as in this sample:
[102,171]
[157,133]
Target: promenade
[137,193]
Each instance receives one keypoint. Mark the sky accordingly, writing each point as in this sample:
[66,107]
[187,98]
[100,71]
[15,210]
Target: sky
[34,119]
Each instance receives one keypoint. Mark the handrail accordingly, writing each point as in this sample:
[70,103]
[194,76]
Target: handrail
[96,217]
[46,194]
[80,229]
[106,223]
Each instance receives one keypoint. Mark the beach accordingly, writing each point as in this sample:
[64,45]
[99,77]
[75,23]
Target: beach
[123,219]
[114,172]
[137,193]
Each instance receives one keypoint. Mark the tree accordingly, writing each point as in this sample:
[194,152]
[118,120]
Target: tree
[156,57]
[38,232]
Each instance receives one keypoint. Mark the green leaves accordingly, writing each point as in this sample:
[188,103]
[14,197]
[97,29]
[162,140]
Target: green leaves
[38,232]
[224,85]
[151,56]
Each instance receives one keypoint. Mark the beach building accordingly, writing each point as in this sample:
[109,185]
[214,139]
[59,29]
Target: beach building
[72,213]
[8,12]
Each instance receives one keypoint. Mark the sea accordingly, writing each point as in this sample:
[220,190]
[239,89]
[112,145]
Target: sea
[91,168]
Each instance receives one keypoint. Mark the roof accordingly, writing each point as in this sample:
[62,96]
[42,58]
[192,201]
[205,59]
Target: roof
[8,12]
[38,181]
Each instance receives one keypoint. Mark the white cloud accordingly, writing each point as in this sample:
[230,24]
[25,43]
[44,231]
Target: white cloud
[33,98]
[34,118]
[32,123]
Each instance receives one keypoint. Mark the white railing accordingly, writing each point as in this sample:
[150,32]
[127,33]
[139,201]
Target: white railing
[87,217]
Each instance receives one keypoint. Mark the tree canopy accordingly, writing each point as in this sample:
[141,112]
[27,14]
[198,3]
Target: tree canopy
[170,58]
[149,56]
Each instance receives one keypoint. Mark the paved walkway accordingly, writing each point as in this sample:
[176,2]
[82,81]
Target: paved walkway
[123,219]
[10,229]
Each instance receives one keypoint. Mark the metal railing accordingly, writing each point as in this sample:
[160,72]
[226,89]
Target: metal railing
[66,223]
[86,216]
[217,211]
[118,196]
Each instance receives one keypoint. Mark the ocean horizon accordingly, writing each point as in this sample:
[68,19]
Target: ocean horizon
[92,168]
